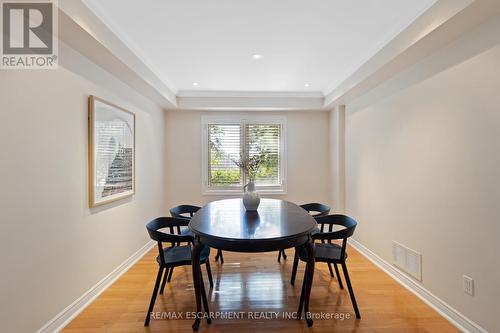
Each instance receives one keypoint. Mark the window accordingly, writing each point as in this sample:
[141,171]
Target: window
[227,141]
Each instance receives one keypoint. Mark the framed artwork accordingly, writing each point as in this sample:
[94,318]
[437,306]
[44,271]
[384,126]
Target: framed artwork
[111,152]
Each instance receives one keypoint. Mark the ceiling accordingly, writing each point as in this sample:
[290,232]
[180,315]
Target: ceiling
[319,42]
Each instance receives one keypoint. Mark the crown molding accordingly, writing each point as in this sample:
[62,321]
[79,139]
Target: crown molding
[97,38]
[250,100]
[245,100]
[82,30]
[402,23]
[444,22]
[110,23]
[250,94]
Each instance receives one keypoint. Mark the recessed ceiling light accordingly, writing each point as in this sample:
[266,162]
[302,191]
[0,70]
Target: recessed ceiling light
[196,84]
[257,56]
[307,84]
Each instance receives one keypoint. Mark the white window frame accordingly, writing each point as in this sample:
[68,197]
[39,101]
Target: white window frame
[242,121]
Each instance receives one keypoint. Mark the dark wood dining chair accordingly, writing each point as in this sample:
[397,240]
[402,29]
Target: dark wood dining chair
[173,256]
[317,210]
[184,212]
[187,212]
[329,252]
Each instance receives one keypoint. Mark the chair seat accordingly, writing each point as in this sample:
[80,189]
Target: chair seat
[327,252]
[181,255]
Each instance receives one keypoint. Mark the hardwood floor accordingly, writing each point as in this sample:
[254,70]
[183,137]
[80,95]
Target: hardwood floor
[254,283]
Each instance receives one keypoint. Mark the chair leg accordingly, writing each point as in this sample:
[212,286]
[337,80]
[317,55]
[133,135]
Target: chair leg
[294,269]
[164,280]
[219,254]
[153,296]
[170,274]
[330,269]
[351,292]
[284,254]
[209,273]
[338,276]
[204,298]
[279,256]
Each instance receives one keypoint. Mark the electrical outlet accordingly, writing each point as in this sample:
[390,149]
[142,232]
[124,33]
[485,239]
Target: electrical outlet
[468,285]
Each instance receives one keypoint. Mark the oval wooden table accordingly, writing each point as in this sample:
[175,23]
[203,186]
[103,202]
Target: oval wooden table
[277,225]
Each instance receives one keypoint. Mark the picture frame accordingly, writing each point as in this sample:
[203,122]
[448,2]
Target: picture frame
[111,152]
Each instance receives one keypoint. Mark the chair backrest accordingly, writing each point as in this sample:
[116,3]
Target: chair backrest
[320,209]
[179,211]
[169,223]
[347,222]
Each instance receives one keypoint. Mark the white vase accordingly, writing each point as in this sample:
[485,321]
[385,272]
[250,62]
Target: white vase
[251,198]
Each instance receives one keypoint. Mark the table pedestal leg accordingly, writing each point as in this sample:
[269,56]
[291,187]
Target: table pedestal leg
[307,284]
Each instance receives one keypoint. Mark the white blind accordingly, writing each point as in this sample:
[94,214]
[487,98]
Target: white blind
[227,143]
[224,148]
[264,140]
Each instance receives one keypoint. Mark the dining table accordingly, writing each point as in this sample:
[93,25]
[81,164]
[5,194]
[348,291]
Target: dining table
[276,225]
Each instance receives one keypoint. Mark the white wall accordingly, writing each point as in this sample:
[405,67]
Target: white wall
[337,159]
[53,248]
[307,156]
[422,168]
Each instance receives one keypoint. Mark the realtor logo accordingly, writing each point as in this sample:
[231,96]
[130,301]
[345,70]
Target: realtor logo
[28,30]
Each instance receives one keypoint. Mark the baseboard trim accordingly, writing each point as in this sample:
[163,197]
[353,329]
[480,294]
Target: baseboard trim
[453,316]
[62,319]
